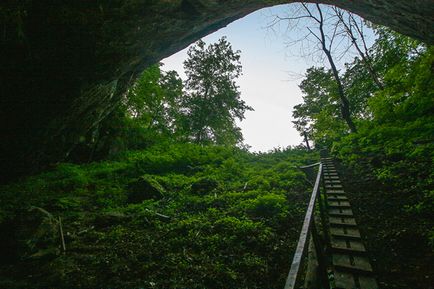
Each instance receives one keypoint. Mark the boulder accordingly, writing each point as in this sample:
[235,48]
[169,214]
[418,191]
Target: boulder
[144,188]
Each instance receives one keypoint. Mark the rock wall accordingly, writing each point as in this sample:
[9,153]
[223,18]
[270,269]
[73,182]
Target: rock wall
[65,64]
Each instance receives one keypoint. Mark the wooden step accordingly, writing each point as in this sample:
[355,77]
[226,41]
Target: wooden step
[345,280]
[331,175]
[327,169]
[332,182]
[344,232]
[331,178]
[334,192]
[326,172]
[340,212]
[333,186]
[334,197]
[347,246]
[351,264]
[335,181]
[342,221]
[338,203]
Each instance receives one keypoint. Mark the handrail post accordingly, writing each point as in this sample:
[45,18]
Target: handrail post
[322,269]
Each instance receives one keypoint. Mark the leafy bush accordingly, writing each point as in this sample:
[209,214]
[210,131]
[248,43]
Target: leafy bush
[202,217]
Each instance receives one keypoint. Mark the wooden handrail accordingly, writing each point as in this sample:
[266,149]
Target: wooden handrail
[305,231]
[309,166]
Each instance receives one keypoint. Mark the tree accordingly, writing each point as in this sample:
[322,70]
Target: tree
[326,44]
[318,115]
[154,100]
[353,28]
[323,30]
[212,101]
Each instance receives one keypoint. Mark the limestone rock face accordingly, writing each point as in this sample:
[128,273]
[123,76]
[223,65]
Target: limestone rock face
[65,64]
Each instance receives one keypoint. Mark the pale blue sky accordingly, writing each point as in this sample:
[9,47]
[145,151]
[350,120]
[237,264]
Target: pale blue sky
[269,84]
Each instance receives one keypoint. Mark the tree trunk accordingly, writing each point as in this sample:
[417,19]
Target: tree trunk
[345,104]
[306,140]
[366,58]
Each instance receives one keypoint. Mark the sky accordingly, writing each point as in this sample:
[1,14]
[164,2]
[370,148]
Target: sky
[271,75]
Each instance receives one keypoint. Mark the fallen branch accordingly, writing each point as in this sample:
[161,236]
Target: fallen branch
[158,214]
[61,235]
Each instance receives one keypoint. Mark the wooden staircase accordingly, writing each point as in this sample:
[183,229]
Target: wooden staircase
[349,265]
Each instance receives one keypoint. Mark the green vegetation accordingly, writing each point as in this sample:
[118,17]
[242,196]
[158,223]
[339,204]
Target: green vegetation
[213,101]
[395,122]
[393,148]
[203,109]
[163,193]
[171,216]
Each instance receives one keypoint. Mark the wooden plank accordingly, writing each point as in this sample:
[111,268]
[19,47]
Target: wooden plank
[334,192]
[344,232]
[332,197]
[342,221]
[330,169]
[350,263]
[338,203]
[348,246]
[332,181]
[331,175]
[326,177]
[340,212]
[333,186]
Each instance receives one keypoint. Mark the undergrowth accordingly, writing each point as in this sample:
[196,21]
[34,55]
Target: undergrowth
[171,216]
